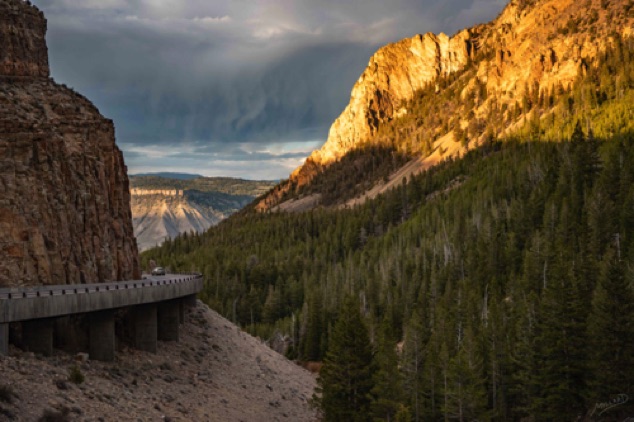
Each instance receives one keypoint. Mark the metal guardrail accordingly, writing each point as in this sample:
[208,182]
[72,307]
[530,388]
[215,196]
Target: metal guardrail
[12,293]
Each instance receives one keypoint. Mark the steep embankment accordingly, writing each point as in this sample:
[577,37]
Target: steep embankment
[214,373]
[64,199]
[433,96]
[163,208]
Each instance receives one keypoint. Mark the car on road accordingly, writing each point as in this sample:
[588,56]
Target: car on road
[158,271]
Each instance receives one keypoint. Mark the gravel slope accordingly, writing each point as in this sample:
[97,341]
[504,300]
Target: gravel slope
[215,373]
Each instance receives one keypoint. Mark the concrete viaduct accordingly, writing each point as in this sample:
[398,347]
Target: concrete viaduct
[156,306]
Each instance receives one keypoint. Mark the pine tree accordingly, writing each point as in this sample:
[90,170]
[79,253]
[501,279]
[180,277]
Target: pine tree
[346,377]
[387,393]
[311,345]
[271,309]
[412,364]
[611,328]
[560,370]
[466,384]
[577,134]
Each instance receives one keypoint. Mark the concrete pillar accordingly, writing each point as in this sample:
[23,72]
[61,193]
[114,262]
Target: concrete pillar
[37,336]
[181,311]
[190,301]
[70,333]
[101,336]
[4,339]
[168,320]
[145,327]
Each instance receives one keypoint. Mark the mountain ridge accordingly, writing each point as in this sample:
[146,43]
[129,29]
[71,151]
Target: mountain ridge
[532,48]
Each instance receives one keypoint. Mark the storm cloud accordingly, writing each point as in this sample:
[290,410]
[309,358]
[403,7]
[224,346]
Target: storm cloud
[230,87]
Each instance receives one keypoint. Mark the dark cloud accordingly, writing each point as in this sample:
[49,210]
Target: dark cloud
[230,80]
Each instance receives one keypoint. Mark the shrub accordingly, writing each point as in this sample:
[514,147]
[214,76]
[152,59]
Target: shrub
[6,393]
[55,415]
[75,375]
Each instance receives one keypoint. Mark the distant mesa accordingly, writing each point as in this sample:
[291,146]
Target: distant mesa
[64,197]
[162,192]
[164,207]
[168,175]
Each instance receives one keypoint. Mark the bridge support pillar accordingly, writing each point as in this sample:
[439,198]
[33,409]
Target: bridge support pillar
[186,302]
[37,336]
[145,328]
[4,339]
[181,311]
[101,336]
[168,320]
[190,301]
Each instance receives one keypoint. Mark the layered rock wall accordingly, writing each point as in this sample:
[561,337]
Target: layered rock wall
[162,192]
[64,192]
[23,51]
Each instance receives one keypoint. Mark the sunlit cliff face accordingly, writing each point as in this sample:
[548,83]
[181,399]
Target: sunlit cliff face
[524,47]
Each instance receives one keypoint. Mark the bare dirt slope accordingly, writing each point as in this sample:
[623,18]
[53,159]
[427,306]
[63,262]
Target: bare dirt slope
[215,373]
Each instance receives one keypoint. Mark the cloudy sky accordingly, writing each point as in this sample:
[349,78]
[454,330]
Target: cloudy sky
[243,88]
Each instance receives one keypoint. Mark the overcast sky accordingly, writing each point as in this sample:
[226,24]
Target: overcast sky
[244,88]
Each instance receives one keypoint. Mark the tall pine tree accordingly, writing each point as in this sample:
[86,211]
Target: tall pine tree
[345,379]
[559,360]
[611,329]
[387,393]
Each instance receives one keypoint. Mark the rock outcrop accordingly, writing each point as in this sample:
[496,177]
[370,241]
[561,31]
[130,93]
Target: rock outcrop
[392,77]
[539,43]
[532,46]
[64,195]
[23,51]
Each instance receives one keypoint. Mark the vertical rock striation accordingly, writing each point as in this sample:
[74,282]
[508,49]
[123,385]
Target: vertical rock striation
[392,77]
[64,192]
[23,51]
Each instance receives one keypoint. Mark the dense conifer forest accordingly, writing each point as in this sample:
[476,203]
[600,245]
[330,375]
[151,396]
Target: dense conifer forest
[498,286]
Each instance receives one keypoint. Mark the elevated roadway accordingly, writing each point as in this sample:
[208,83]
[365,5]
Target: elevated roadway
[156,306]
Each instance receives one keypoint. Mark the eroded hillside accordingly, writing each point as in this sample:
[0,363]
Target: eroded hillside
[163,208]
[215,372]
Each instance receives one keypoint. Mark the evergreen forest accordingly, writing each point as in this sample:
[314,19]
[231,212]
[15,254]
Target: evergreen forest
[494,287]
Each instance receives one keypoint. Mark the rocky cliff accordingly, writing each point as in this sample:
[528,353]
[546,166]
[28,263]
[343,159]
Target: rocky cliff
[392,77]
[159,215]
[23,40]
[533,46]
[539,43]
[64,198]
[164,207]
